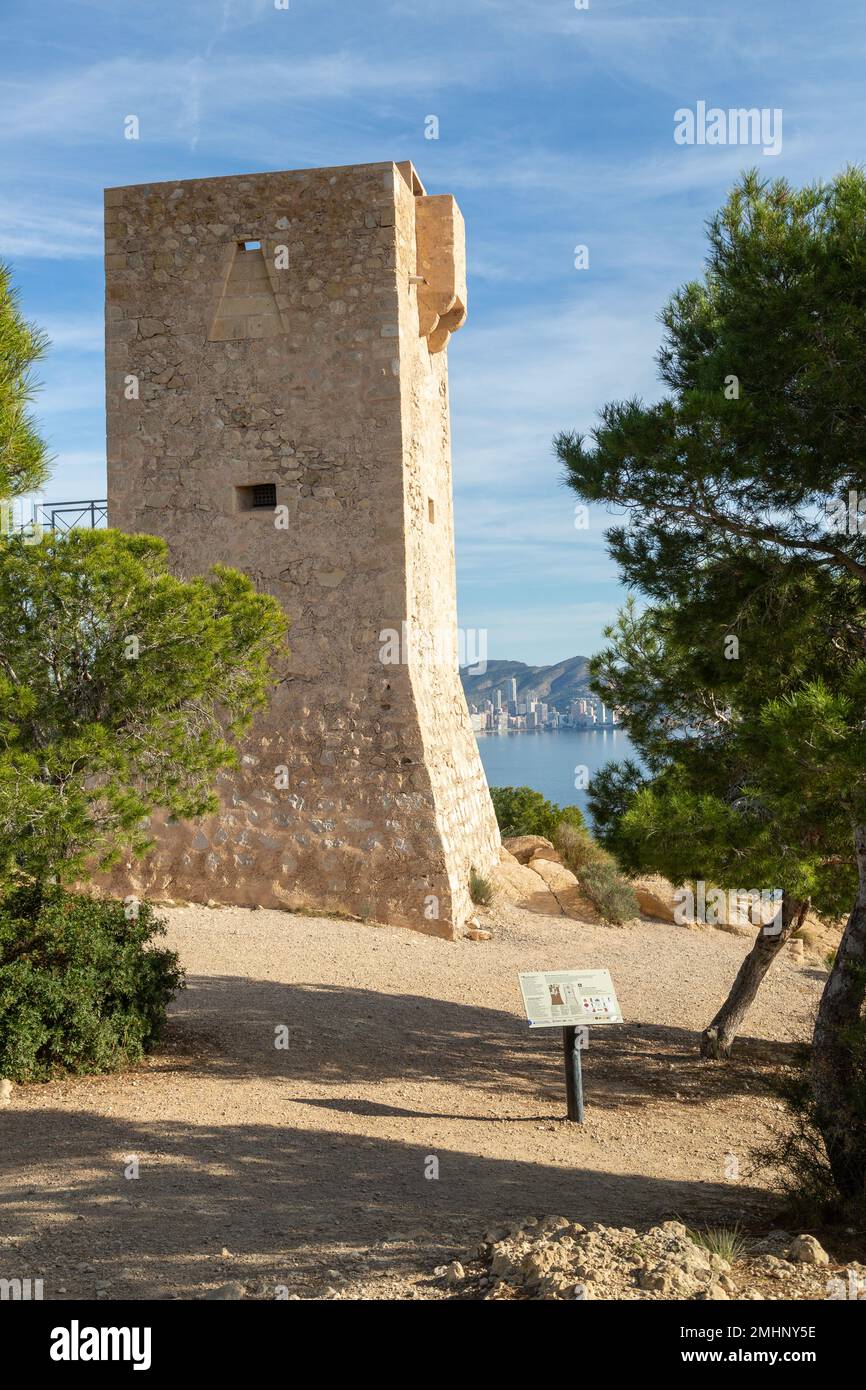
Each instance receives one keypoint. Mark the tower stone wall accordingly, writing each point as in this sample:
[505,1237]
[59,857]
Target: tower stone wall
[277,400]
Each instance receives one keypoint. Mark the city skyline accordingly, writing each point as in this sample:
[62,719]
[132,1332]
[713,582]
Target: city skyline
[516,715]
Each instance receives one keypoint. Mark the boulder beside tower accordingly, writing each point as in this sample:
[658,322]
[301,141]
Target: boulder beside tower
[277,400]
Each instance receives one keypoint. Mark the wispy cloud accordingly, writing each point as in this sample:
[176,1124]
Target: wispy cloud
[89,103]
[76,333]
[556,129]
[49,229]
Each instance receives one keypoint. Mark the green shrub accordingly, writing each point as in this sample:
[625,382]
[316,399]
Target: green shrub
[609,891]
[522,811]
[480,889]
[726,1241]
[577,848]
[597,872]
[81,987]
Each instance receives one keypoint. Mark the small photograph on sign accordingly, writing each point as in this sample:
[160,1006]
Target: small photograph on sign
[560,998]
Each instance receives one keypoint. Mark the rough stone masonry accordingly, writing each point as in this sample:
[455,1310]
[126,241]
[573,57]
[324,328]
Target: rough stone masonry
[277,400]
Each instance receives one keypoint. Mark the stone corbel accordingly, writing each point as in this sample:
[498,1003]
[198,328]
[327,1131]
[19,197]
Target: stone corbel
[441,268]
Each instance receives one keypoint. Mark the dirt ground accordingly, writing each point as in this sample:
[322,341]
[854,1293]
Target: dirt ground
[312,1167]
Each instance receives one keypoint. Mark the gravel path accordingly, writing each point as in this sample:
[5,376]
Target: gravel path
[308,1167]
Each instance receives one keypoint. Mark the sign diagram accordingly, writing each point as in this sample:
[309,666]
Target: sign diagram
[563,998]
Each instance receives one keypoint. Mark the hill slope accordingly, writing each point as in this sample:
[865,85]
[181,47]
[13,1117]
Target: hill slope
[556,684]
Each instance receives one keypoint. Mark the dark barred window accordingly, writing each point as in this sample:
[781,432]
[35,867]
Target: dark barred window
[265,495]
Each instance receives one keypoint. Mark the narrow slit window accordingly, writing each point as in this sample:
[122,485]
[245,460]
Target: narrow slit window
[251,245]
[431,509]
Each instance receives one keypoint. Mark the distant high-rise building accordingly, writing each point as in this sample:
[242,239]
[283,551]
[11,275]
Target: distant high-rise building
[514,690]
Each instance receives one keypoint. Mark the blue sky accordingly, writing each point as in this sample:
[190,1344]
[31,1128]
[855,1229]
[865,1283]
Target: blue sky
[555,130]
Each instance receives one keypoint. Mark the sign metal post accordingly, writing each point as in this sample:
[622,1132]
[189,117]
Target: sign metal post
[570,1000]
[573,1074]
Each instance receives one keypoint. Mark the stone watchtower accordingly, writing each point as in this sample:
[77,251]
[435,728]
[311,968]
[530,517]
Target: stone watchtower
[277,401]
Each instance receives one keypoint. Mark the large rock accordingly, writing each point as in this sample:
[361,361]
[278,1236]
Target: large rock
[227,1292]
[524,847]
[552,856]
[655,897]
[575,903]
[544,886]
[806,1250]
[517,883]
[514,880]
[557,877]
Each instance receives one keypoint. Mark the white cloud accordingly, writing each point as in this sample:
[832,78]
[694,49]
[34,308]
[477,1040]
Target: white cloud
[32,225]
[620,40]
[88,104]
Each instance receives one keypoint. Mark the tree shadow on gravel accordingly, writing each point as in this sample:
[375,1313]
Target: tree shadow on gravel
[341,1036]
[291,1205]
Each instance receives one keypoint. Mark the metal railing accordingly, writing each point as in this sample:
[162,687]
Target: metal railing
[63,516]
[60,517]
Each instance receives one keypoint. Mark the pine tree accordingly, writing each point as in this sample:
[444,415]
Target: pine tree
[122,689]
[718,797]
[23,458]
[757,454]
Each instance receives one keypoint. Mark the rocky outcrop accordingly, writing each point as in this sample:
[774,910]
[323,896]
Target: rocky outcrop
[543,884]
[555,1258]
[525,847]
[655,897]
[808,1251]
[517,883]
[558,878]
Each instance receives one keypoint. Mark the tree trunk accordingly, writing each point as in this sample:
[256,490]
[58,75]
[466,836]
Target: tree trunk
[718,1037]
[841,1122]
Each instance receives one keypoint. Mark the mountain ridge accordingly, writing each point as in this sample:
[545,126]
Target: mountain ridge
[558,684]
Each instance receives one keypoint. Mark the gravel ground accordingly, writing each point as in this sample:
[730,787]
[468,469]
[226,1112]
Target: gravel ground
[411,1110]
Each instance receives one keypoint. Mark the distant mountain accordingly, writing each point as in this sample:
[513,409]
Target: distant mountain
[557,685]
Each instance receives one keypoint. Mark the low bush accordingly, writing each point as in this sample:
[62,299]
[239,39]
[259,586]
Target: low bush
[796,1155]
[597,872]
[725,1241]
[609,891]
[577,847]
[522,811]
[82,987]
[480,889]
